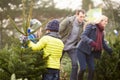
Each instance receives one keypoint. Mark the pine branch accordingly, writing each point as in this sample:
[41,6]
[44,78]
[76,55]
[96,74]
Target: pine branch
[15,26]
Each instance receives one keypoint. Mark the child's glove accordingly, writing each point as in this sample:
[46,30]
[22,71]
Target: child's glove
[24,40]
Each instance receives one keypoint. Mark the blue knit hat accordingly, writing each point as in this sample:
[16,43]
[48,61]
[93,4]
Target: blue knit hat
[53,25]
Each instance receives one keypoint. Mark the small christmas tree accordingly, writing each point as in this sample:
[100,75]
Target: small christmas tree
[108,67]
[23,62]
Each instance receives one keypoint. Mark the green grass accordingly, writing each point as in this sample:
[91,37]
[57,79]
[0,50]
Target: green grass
[65,67]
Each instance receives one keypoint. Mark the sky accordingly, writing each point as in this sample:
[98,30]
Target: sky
[72,4]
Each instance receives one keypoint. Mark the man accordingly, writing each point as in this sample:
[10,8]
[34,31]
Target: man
[70,30]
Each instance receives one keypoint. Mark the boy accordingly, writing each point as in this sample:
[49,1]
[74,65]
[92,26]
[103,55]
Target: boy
[52,47]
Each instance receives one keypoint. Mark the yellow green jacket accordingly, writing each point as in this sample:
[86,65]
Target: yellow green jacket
[51,46]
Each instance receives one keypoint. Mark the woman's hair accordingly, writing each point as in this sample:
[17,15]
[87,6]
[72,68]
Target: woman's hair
[100,18]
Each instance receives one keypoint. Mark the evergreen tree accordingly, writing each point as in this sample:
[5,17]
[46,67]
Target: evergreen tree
[23,62]
[108,67]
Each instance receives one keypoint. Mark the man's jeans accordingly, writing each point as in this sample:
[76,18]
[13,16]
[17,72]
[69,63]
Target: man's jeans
[74,61]
[51,74]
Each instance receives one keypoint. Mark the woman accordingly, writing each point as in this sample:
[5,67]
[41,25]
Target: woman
[91,45]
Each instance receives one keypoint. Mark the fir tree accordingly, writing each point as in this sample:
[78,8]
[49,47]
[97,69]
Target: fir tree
[23,62]
[108,67]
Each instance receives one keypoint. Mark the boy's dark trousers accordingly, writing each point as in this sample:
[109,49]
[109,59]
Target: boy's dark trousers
[51,74]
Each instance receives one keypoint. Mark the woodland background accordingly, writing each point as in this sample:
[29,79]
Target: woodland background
[108,68]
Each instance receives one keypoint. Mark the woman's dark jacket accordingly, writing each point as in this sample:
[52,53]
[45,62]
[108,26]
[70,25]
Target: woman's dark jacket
[89,35]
